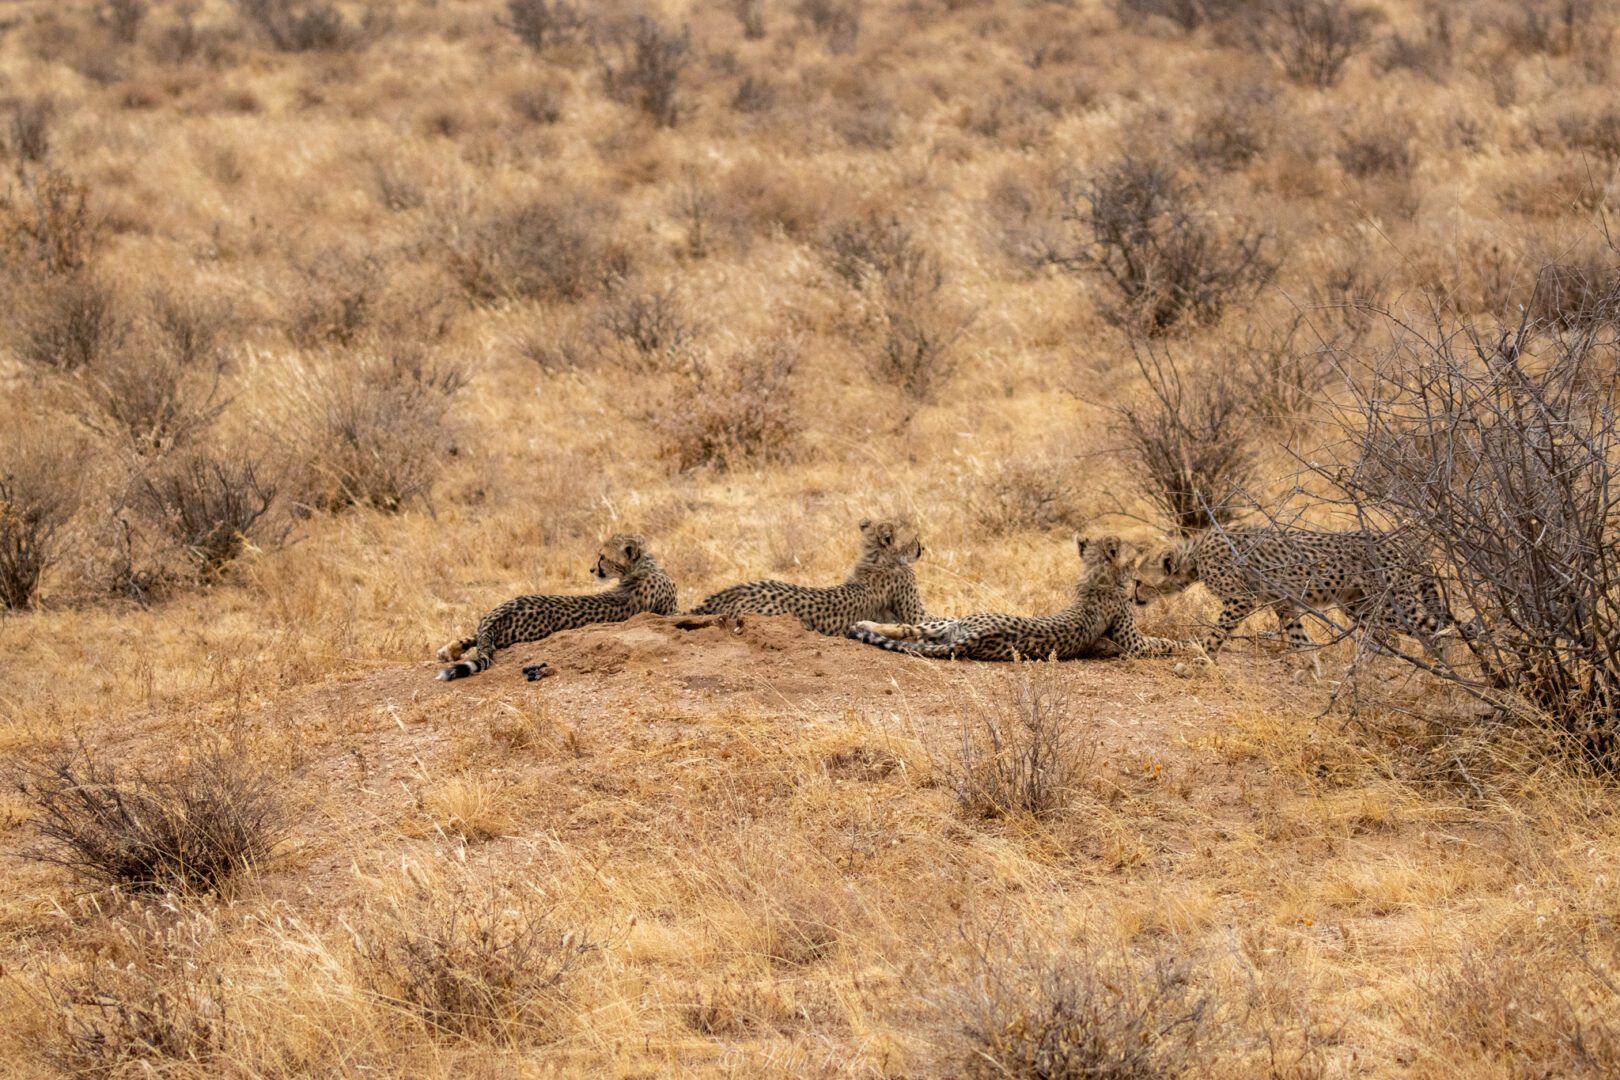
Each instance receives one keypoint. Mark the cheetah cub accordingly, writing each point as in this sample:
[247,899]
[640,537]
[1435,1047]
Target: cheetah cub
[1101,615]
[882,585]
[643,586]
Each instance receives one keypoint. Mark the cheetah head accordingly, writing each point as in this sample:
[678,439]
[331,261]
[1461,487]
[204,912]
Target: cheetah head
[1162,571]
[1103,555]
[619,555]
[890,540]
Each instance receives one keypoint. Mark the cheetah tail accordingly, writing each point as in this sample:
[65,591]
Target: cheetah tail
[913,648]
[481,662]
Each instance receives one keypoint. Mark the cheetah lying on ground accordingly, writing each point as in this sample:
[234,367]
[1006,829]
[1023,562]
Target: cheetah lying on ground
[882,585]
[1100,616]
[1373,577]
[643,586]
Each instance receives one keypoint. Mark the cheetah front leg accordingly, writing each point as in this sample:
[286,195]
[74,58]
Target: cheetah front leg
[1292,624]
[1233,612]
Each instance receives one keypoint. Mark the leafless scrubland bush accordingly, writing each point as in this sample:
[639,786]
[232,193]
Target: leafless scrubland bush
[1578,294]
[837,21]
[543,23]
[1501,454]
[150,1001]
[1429,53]
[469,960]
[1080,1014]
[751,14]
[738,413]
[648,325]
[122,18]
[70,323]
[38,495]
[1377,151]
[1313,40]
[554,248]
[1233,133]
[190,827]
[376,435]
[48,228]
[538,104]
[646,70]
[918,320]
[28,128]
[209,504]
[1138,228]
[1187,14]
[1190,446]
[336,299]
[1023,493]
[1018,751]
[1554,27]
[1528,1008]
[295,26]
[159,389]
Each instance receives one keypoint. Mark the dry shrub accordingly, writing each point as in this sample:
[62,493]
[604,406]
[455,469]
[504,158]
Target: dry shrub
[38,495]
[555,248]
[160,390]
[336,300]
[1190,445]
[376,434]
[647,326]
[751,15]
[1085,1013]
[209,504]
[1023,493]
[1597,134]
[1374,152]
[646,67]
[1526,1009]
[295,26]
[538,104]
[1017,750]
[1232,133]
[837,21]
[1313,40]
[149,398]
[1580,294]
[70,323]
[47,226]
[1430,53]
[543,23]
[1500,454]
[29,129]
[1188,15]
[1140,230]
[190,826]
[122,18]
[733,414]
[1553,27]
[150,1001]
[904,286]
[754,95]
[469,959]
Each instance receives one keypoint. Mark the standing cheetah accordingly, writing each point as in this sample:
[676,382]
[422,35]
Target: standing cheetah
[1101,615]
[882,585]
[643,586]
[1373,577]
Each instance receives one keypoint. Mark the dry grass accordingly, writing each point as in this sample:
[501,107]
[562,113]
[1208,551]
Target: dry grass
[472,285]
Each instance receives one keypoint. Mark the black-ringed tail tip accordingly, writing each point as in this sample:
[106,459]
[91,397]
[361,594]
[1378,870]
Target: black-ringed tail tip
[457,671]
[536,672]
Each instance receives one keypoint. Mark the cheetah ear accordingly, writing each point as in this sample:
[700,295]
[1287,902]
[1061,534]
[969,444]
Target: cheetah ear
[1081,543]
[1110,547]
[885,533]
[632,550]
[866,523]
